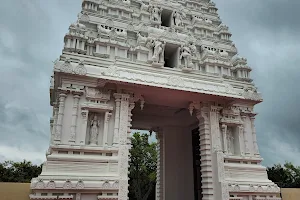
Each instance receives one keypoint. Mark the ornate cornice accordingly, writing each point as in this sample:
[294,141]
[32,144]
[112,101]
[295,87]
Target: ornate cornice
[163,78]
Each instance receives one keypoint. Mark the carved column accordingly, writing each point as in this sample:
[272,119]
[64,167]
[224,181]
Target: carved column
[160,166]
[105,131]
[117,119]
[58,132]
[123,147]
[205,152]
[224,132]
[76,98]
[241,139]
[247,150]
[84,115]
[255,146]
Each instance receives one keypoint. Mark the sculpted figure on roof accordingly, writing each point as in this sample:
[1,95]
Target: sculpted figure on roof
[155,13]
[158,52]
[177,18]
[186,54]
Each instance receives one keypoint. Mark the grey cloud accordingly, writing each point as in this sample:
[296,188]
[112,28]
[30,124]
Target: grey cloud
[266,32]
[31,36]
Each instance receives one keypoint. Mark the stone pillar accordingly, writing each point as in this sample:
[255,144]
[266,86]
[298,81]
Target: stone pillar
[160,166]
[84,115]
[76,98]
[255,146]
[105,129]
[206,152]
[117,119]
[224,132]
[241,139]
[58,132]
[123,153]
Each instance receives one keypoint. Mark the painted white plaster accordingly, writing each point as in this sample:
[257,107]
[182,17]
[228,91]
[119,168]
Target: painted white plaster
[169,66]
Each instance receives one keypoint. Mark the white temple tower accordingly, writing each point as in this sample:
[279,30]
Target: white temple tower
[167,66]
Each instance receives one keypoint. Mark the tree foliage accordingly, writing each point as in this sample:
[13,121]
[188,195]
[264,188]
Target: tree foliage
[143,157]
[18,171]
[286,176]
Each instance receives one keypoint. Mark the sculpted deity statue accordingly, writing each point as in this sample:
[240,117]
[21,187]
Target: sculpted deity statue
[193,48]
[95,124]
[158,51]
[155,13]
[230,140]
[186,54]
[144,6]
[177,18]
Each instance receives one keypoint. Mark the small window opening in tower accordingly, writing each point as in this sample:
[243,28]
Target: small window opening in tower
[166,18]
[171,55]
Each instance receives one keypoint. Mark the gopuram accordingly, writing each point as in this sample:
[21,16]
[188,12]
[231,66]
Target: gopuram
[163,66]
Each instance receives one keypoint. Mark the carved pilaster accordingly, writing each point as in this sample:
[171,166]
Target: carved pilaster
[76,98]
[241,139]
[160,166]
[105,131]
[117,119]
[123,147]
[255,146]
[203,116]
[224,132]
[84,115]
[247,149]
[58,131]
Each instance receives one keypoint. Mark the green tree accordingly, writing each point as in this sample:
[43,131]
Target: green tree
[286,176]
[23,172]
[142,168]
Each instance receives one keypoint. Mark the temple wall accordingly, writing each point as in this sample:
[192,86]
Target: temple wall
[178,164]
[82,134]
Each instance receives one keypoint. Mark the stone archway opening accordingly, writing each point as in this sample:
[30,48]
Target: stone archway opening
[168,116]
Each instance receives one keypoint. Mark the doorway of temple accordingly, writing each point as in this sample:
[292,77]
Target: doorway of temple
[197,165]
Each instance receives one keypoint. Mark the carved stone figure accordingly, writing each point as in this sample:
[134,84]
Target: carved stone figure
[177,18]
[101,29]
[186,55]
[193,48]
[141,40]
[230,140]
[158,51]
[95,124]
[155,13]
[144,7]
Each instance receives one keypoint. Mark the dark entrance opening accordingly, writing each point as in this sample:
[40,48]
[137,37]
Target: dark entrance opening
[197,164]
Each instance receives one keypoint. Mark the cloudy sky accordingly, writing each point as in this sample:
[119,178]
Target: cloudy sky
[31,37]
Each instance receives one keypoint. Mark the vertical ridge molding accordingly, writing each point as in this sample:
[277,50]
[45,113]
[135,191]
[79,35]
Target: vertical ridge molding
[203,115]
[61,109]
[160,166]
[76,98]
[123,147]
